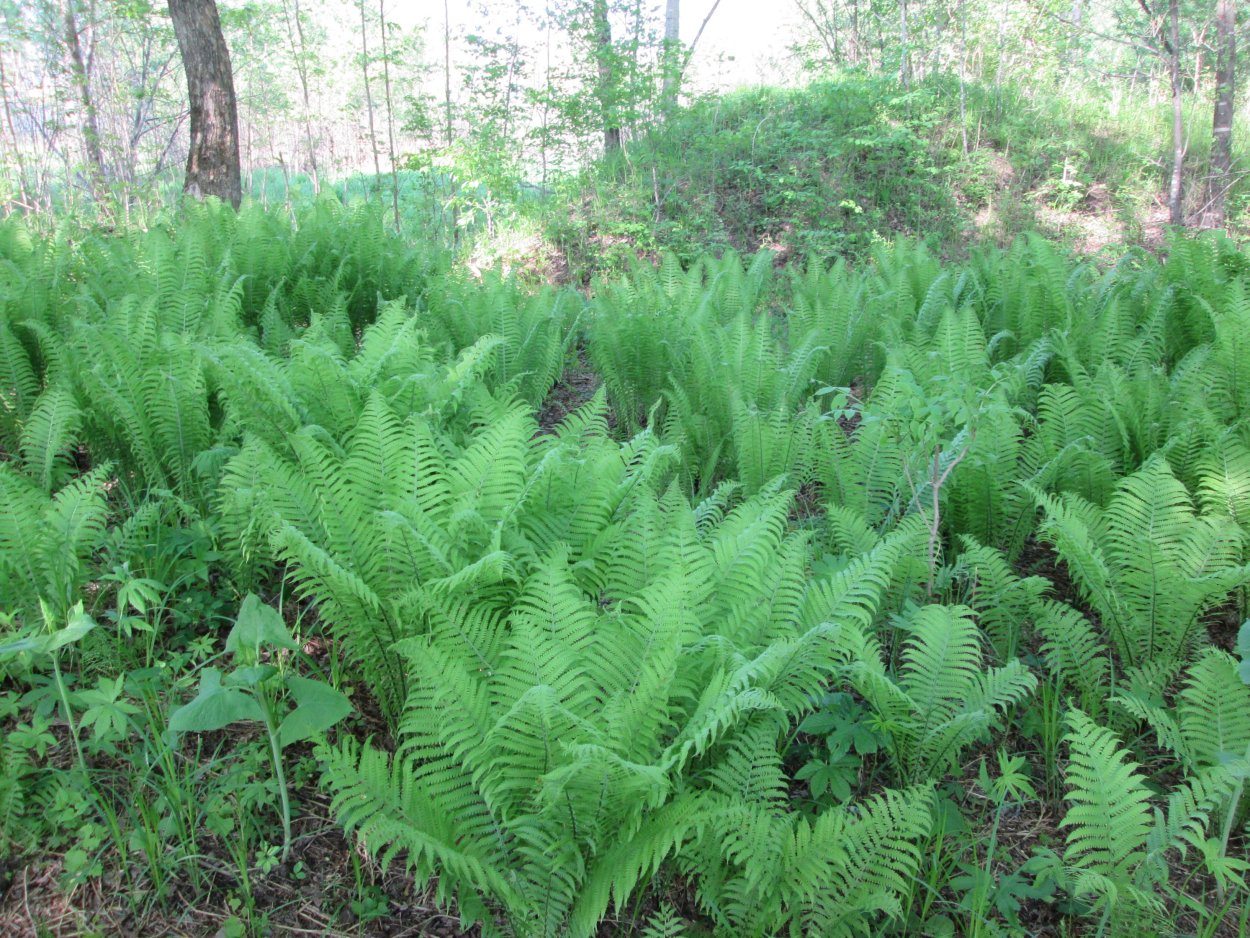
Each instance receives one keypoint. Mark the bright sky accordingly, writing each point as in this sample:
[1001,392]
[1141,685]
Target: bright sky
[743,39]
[754,34]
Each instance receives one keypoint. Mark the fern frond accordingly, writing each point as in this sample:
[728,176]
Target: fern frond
[1109,817]
[53,425]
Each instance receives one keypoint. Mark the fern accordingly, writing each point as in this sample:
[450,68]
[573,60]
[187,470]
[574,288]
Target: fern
[574,747]
[941,701]
[47,541]
[1209,726]
[1148,562]
[53,425]
[1116,843]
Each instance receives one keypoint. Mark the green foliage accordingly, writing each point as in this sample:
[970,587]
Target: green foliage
[240,695]
[726,644]
[553,756]
[1148,563]
[1116,845]
[941,700]
[1210,722]
[258,690]
[47,541]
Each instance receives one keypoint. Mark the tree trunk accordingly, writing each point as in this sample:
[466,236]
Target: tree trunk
[606,89]
[694,43]
[1176,208]
[672,53]
[447,68]
[450,127]
[545,138]
[904,68]
[213,161]
[390,112]
[855,32]
[26,202]
[300,54]
[963,77]
[364,65]
[1219,174]
[82,83]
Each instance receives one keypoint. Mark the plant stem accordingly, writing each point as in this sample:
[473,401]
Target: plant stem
[69,714]
[275,754]
[1227,829]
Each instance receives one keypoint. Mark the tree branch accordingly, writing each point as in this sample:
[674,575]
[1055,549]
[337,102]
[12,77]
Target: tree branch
[1150,18]
[820,31]
[697,36]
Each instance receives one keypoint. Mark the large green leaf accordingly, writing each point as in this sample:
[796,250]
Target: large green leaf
[318,707]
[215,706]
[258,626]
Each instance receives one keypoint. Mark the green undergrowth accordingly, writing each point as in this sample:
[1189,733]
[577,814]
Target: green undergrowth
[891,598]
[835,168]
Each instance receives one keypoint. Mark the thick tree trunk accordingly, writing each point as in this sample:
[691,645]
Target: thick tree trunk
[606,90]
[1176,208]
[213,162]
[1219,174]
[82,84]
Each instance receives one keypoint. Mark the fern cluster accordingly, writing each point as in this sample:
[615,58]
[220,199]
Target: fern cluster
[555,753]
[898,516]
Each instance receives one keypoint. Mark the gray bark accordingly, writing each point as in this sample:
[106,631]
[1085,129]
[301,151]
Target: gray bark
[82,84]
[607,84]
[672,52]
[1176,208]
[1219,174]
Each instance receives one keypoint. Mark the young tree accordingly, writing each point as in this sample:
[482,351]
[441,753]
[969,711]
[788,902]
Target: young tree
[390,112]
[904,68]
[1220,172]
[213,160]
[300,56]
[606,91]
[82,84]
[364,66]
[449,127]
[672,52]
[1176,209]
